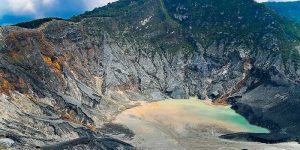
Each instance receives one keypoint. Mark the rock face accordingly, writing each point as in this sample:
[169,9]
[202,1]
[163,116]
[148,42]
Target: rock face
[65,79]
[6,143]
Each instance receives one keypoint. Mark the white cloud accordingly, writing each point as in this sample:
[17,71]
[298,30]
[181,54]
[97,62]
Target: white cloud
[35,7]
[24,7]
[21,6]
[91,4]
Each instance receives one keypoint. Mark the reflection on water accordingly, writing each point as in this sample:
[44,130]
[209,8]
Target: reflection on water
[178,122]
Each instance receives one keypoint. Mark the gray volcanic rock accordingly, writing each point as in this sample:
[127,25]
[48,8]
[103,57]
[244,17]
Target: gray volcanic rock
[65,79]
[6,143]
[91,143]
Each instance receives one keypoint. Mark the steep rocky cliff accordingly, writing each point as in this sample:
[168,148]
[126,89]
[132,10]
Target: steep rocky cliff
[65,79]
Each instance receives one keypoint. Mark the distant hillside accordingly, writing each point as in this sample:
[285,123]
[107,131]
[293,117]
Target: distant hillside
[35,23]
[291,10]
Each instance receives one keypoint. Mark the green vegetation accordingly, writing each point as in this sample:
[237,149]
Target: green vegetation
[242,22]
[36,23]
[119,8]
[166,14]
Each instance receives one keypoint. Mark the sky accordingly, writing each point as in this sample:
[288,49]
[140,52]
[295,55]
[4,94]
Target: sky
[15,11]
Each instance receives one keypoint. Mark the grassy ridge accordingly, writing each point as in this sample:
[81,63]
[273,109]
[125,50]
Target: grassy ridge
[36,23]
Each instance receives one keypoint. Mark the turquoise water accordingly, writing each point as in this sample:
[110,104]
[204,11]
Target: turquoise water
[188,124]
[222,113]
[192,112]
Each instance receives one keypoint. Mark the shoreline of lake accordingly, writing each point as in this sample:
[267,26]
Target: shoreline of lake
[173,124]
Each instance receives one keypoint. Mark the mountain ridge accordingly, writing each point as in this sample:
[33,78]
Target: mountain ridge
[292,29]
[76,75]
